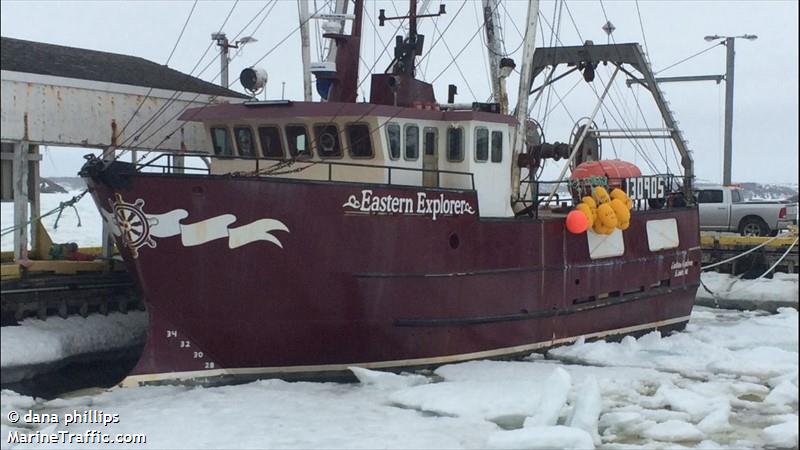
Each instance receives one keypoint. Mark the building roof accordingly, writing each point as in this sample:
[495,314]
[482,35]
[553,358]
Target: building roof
[57,60]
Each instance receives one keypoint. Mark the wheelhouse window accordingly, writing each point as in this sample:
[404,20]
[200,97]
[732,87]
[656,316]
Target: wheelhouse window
[393,137]
[497,146]
[358,137]
[271,146]
[221,141]
[328,144]
[430,141]
[297,139]
[455,144]
[481,144]
[412,142]
[709,196]
[244,141]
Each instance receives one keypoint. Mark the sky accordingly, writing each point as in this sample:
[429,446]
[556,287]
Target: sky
[765,127]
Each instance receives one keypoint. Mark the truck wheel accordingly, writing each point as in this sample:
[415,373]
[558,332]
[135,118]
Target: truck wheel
[753,226]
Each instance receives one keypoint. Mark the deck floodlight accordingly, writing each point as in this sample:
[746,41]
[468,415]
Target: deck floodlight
[507,66]
[246,40]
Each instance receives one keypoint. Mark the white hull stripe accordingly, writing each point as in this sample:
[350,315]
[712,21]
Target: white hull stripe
[135,380]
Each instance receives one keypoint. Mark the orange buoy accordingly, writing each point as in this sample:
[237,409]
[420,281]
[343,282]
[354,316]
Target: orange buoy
[577,222]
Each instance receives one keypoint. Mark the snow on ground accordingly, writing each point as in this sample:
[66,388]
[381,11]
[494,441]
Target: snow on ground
[781,288]
[729,380]
[89,234]
[36,341]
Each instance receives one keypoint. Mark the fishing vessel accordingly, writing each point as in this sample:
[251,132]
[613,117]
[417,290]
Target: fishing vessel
[401,232]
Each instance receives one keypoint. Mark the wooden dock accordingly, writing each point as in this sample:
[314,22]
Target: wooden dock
[718,247]
[42,288]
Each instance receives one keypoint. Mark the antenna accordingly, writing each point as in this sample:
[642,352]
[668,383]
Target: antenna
[407,49]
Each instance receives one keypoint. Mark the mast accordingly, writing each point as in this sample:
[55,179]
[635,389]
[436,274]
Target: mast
[344,82]
[305,44]
[522,95]
[491,17]
[340,8]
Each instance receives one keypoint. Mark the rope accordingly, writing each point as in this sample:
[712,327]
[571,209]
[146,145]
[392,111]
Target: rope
[62,206]
[58,209]
[717,296]
[710,266]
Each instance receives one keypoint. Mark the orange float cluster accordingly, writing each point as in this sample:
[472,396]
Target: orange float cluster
[603,212]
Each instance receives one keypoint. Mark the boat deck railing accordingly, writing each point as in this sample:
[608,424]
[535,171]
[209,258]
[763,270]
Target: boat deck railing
[263,167]
[536,194]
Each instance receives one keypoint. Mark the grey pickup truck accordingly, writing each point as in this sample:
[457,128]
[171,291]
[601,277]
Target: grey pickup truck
[722,208]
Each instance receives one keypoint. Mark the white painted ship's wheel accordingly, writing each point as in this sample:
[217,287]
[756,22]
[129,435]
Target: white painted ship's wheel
[134,225]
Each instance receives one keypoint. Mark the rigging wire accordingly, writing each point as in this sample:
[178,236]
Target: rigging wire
[441,35]
[136,134]
[457,55]
[212,98]
[572,19]
[641,27]
[689,57]
[480,27]
[554,36]
[458,67]
[189,103]
[638,105]
[484,51]
[169,58]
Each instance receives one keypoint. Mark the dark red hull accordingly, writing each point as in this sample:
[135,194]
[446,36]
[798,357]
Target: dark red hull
[382,290]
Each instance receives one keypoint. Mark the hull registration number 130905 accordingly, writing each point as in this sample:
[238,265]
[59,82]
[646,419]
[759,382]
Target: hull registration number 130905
[643,188]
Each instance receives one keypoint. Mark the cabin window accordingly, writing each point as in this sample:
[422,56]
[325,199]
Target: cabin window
[297,138]
[328,141]
[497,146]
[244,141]
[358,136]
[221,141]
[481,144]
[412,142]
[455,144]
[271,146]
[736,196]
[430,141]
[393,136]
[709,196]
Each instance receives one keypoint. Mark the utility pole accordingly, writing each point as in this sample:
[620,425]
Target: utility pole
[728,143]
[224,59]
[728,77]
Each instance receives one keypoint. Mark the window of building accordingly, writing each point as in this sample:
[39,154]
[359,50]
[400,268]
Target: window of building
[497,146]
[393,137]
[297,139]
[358,137]
[412,142]
[271,146]
[481,144]
[244,141]
[430,141]
[221,141]
[709,196]
[455,144]
[328,141]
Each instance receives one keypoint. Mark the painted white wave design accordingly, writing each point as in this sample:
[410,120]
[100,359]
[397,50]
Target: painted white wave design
[137,228]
